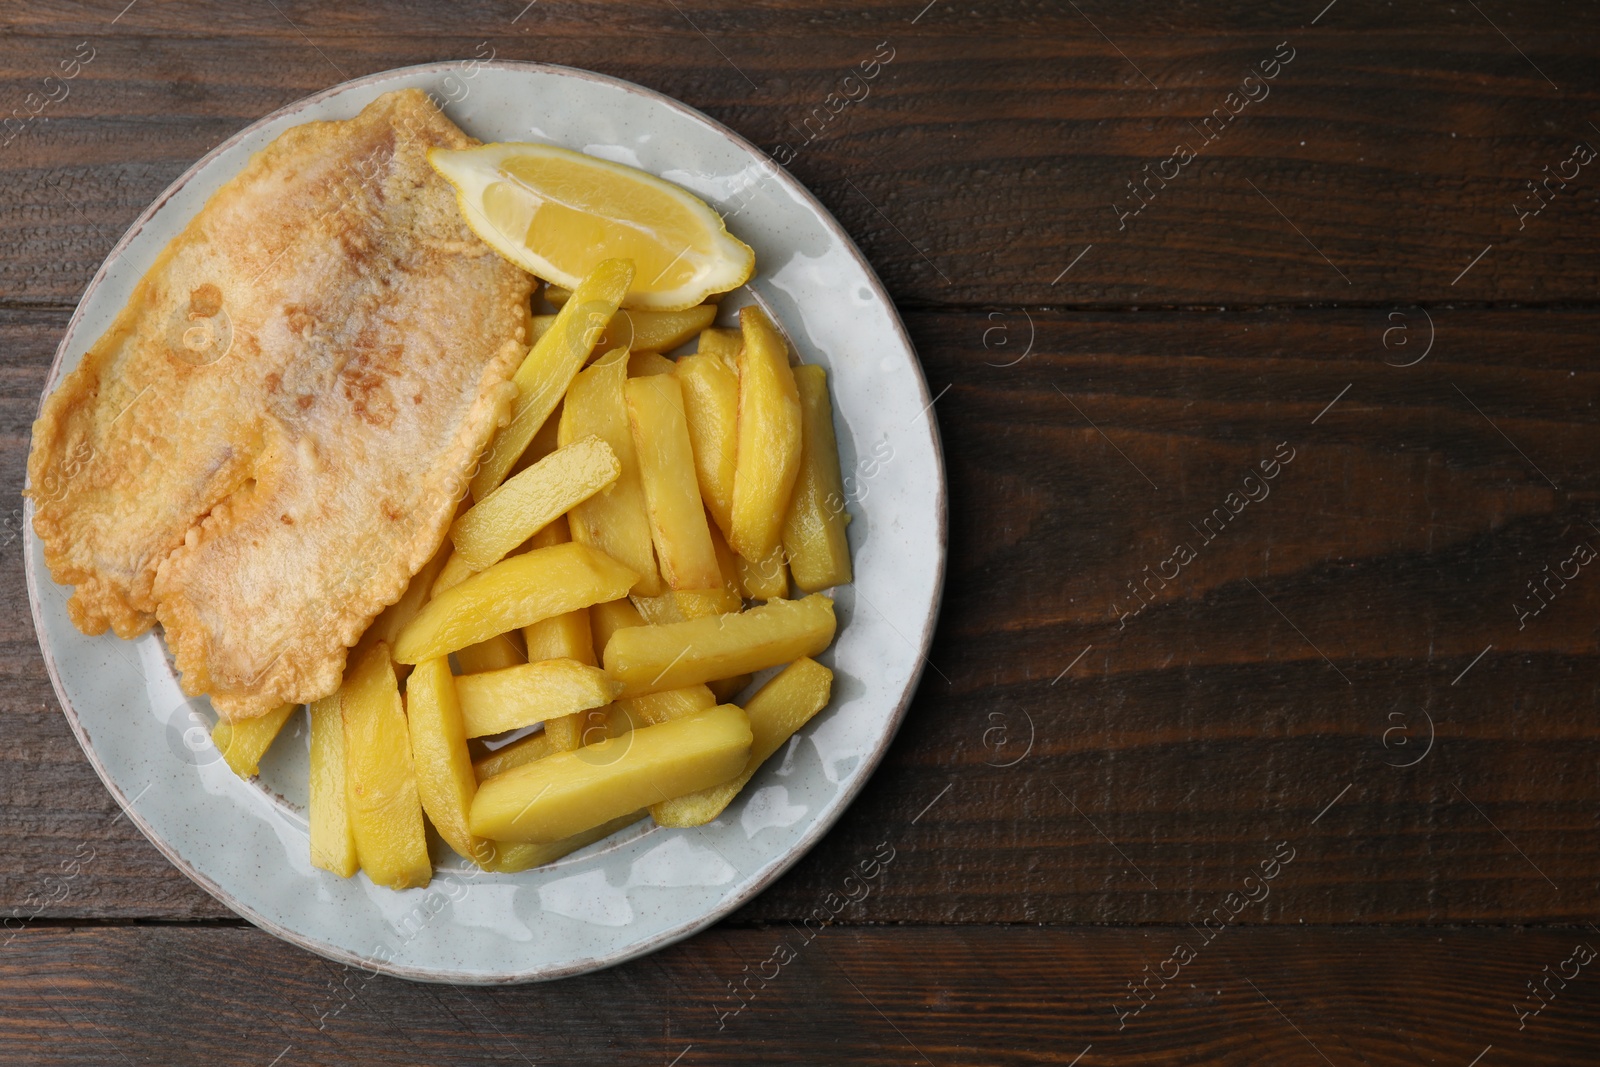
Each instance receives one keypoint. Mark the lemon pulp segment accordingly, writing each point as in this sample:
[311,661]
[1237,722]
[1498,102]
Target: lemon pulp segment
[558,213]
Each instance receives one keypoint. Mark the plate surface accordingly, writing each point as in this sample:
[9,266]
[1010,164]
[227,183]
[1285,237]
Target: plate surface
[645,887]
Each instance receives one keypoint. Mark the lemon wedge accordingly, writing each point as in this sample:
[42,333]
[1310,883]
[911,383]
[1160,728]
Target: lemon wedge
[558,214]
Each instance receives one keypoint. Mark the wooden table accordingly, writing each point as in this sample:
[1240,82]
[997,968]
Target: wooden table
[1320,789]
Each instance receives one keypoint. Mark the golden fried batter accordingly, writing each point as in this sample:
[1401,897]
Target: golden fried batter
[270,439]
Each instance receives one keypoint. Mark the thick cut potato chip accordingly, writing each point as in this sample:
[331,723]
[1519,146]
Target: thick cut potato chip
[532,500]
[648,659]
[765,579]
[671,493]
[768,456]
[513,593]
[495,654]
[642,364]
[690,604]
[727,563]
[380,779]
[578,729]
[776,711]
[654,709]
[724,344]
[523,750]
[606,619]
[544,442]
[711,408]
[445,782]
[509,857]
[243,743]
[725,689]
[813,530]
[563,636]
[570,792]
[455,571]
[550,366]
[615,521]
[557,533]
[333,842]
[654,331]
[498,701]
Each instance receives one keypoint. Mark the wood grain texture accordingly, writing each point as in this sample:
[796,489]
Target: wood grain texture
[1340,706]
[1195,735]
[991,996]
[974,167]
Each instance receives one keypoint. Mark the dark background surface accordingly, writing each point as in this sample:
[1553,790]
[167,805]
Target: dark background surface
[1342,676]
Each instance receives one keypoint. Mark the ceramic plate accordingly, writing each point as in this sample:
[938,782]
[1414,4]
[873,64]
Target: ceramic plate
[644,887]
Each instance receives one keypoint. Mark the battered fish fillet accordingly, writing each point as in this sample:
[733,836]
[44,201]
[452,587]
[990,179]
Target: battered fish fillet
[270,440]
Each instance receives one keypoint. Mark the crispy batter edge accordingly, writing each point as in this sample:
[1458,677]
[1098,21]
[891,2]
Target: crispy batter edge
[97,602]
[99,599]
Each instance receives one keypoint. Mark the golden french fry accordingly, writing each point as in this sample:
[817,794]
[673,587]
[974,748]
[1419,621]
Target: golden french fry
[510,857]
[445,781]
[648,659]
[725,689]
[711,408]
[776,711]
[724,344]
[455,571]
[614,521]
[764,579]
[653,709]
[566,636]
[569,792]
[578,729]
[642,364]
[688,604]
[495,654]
[513,593]
[243,743]
[606,619]
[813,530]
[727,562]
[563,636]
[523,750]
[768,456]
[532,500]
[672,496]
[557,533]
[654,331]
[544,442]
[380,779]
[333,842]
[497,701]
[550,366]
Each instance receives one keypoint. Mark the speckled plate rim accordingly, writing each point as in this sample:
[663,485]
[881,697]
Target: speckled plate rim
[758,881]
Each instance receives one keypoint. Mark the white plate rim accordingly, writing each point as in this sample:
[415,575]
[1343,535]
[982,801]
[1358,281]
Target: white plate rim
[760,881]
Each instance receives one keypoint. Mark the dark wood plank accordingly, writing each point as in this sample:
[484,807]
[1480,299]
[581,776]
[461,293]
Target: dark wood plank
[1170,759]
[1198,731]
[973,995]
[1383,159]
